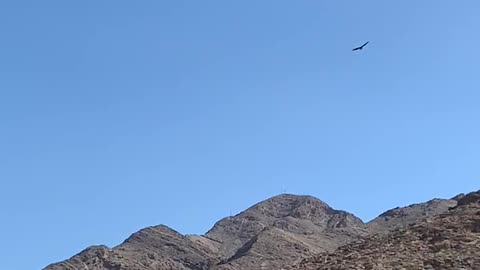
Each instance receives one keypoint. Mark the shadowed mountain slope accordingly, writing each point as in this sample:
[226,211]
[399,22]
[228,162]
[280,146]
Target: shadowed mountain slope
[450,240]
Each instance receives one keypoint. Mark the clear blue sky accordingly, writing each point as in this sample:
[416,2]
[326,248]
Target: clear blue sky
[116,115]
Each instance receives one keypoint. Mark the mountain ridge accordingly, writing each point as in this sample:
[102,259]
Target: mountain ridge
[281,230]
[450,241]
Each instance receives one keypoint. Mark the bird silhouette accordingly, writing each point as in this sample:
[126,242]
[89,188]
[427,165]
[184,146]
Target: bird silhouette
[361,47]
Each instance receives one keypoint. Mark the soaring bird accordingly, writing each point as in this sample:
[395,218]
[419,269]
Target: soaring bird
[361,47]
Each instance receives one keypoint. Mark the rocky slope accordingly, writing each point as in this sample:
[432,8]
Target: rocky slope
[283,230]
[403,216]
[450,240]
[151,248]
[274,232]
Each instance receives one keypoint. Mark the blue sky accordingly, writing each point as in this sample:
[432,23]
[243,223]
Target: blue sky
[118,115]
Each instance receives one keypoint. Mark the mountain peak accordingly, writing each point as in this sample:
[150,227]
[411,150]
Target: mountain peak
[288,212]
[281,206]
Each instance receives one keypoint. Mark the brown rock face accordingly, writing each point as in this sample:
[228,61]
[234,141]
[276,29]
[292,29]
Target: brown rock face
[151,248]
[301,215]
[447,241]
[471,198]
[403,216]
[283,229]
[302,232]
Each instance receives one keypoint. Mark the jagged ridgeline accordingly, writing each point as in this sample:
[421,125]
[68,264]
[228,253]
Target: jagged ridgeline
[303,232]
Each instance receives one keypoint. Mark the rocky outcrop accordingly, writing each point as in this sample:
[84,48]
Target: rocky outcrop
[469,199]
[151,248]
[300,215]
[403,216]
[447,241]
[283,229]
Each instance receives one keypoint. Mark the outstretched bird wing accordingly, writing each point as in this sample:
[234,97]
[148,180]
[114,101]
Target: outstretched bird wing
[361,47]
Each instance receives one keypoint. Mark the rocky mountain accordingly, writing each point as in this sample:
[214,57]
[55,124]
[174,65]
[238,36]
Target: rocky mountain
[450,240]
[403,216]
[282,229]
[286,231]
[156,247]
